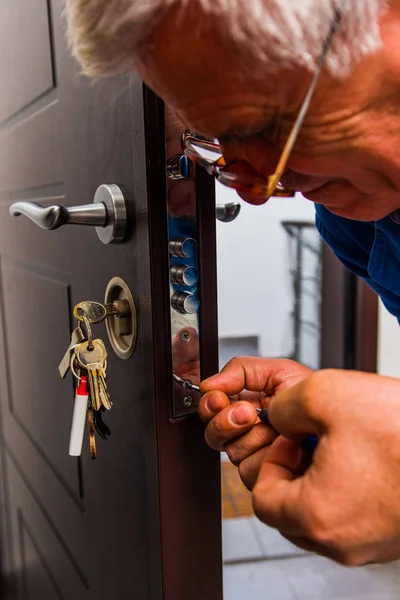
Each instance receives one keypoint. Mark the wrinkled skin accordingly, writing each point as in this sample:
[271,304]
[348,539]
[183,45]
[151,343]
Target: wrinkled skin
[344,501]
[347,154]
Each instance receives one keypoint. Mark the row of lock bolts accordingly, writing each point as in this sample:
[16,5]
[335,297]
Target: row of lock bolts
[184,275]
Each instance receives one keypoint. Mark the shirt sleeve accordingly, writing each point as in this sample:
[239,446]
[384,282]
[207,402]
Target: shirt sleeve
[352,242]
[343,242]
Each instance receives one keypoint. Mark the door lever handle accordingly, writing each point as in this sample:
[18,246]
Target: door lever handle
[53,217]
[107,214]
[226,213]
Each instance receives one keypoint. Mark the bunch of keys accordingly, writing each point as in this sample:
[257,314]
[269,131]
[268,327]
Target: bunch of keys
[87,359]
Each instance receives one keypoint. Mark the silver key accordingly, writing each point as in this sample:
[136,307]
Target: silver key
[76,338]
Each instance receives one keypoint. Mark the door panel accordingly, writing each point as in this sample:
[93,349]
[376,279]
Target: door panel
[27,20]
[35,136]
[45,556]
[28,322]
[142,521]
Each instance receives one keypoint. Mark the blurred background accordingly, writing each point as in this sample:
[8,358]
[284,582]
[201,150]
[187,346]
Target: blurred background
[277,310]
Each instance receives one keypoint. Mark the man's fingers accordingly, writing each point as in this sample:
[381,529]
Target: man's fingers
[277,496]
[255,374]
[211,404]
[241,448]
[239,374]
[230,423]
[249,469]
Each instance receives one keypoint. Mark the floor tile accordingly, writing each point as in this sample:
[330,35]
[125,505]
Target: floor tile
[389,571]
[393,596]
[316,577]
[256,581]
[239,542]
[272,543]
[236,498]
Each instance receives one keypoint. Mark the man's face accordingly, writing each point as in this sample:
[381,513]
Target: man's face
[346,156]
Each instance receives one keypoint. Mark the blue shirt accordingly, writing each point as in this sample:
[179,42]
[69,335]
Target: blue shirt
[370,250]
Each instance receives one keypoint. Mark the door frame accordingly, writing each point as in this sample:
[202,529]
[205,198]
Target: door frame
[349,318]
[192,559]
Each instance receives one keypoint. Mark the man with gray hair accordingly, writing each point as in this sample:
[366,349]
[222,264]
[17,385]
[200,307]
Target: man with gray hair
[302,95]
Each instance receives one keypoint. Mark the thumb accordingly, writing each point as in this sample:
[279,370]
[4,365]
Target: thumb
[298,411]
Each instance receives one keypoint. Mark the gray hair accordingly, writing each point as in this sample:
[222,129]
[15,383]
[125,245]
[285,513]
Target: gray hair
[104,34]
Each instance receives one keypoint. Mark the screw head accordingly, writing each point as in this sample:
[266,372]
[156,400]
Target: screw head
[185,336]
[188,401]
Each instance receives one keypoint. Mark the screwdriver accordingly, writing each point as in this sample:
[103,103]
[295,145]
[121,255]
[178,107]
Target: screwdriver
[309,444]
[186,383]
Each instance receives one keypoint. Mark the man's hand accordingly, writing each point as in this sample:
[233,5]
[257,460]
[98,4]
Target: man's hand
[346,504]
[250,383]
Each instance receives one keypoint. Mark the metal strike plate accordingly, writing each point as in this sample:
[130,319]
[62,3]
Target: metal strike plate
[184,275]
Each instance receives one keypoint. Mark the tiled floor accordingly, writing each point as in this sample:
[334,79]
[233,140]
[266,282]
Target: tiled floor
[261,565]
[236,499]
[246,540]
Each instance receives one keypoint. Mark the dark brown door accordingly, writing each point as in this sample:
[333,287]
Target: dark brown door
[349,318]
[141,522]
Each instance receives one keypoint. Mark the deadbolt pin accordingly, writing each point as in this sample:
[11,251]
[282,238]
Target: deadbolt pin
[118,308]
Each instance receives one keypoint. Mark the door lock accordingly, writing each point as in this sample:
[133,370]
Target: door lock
[121,328]
[119,314]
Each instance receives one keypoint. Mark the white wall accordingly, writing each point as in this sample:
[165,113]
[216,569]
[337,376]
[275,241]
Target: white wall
[254,284]
[388,344]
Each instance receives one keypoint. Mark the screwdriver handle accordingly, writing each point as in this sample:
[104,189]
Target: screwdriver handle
[309,444]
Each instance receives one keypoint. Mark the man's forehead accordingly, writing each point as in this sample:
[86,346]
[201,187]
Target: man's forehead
[268,128]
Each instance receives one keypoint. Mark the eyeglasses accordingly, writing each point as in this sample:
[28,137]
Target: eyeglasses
[230,174]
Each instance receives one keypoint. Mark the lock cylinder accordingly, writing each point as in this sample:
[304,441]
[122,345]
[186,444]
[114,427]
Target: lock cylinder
[184,303]
[184,275]
[183,247]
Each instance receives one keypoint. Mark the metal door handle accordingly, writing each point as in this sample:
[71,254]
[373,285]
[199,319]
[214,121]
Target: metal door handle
[107,214]
[52,217]
[228,212]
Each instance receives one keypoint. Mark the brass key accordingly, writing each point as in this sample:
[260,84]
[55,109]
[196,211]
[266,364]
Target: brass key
[104,395]
[94,361]
[95,311]
[92,436]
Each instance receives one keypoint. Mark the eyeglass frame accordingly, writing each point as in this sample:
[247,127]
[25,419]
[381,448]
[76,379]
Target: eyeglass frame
[273,187]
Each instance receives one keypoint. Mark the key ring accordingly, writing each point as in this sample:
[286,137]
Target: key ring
[72,367]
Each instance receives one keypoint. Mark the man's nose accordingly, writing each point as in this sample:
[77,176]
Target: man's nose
[261,155]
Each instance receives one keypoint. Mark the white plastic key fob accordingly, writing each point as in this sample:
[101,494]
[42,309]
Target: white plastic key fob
[79,418]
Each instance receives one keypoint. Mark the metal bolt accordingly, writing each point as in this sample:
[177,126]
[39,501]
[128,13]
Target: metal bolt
[188,401]
[178,167]
[185,336]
